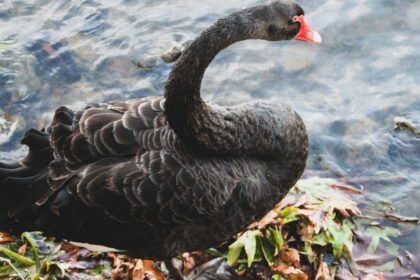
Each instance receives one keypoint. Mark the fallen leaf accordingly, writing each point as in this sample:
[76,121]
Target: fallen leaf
[248,241]
[323,272]
[344,272]
[291,257]
[374,277]
[375,260]
[401,123]
[151,272]
[22,249]
[194,259]
[306,231]
[138,271]
[340,237]
[402,219]
[316,215]
[347,188]
[268,250]
[271,218]
[377,233]
[188,264]
[5,238]
[289,272]
[123,268]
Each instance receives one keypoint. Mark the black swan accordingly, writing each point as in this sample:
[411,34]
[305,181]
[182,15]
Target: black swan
[157,176]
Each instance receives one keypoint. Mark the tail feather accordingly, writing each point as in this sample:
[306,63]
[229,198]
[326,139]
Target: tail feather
[24,192]
[40,152]
[9,165]
[22,183]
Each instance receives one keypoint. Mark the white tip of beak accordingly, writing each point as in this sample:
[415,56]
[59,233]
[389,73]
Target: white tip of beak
[317,37]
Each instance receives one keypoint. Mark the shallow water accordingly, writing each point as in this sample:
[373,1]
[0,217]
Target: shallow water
[348,90]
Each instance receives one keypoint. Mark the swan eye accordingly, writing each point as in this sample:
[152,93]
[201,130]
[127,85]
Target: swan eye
[295,19]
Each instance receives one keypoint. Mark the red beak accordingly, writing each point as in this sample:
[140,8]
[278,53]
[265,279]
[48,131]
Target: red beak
[306,33]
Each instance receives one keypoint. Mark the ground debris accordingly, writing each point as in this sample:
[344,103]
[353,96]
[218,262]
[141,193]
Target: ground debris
[316,232]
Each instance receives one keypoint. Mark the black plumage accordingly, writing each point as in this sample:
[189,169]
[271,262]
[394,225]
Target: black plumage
[158,176]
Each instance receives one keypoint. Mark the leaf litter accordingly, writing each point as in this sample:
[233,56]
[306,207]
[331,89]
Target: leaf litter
[318,231]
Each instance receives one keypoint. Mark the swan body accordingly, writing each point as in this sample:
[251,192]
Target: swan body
[158,176]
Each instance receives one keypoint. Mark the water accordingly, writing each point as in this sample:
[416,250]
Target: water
[348,90]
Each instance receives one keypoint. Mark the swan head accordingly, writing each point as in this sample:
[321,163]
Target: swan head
[282,20]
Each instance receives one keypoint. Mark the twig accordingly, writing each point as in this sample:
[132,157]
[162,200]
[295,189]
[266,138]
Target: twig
[12,266]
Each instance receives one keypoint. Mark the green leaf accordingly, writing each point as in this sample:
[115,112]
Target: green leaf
[233,253]
[277,238]
[214,252]
[268,250]
[20,273]
[377,233]
[340,236]
[50,267]
[16,257]
[5,270]
[278,277]
[389,266]
[99,269]
[288,211]
[320,239]
[247,241]
[32,242]
[391,248]
[312,256]
[289,214]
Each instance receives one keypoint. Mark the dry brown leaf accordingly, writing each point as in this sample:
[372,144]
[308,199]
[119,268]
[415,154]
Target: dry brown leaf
[193,260]
[271,218]
[347,208]
[298,275]
[291,200]
[114,258]
[306,231]
[412,258]
[22,249]
[374,277]
[188,263]
[373,260]
[151,272]
[290,257]
[138,270]
[344,272]
[72,252]
[123,267]
[402,219]
[241,272]
[290,272]
[316,216]
[120,274]
[323,272]
[280,269]
[4,238]
[346,188]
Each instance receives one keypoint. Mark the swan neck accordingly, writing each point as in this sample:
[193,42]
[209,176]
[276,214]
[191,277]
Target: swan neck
[183,106]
